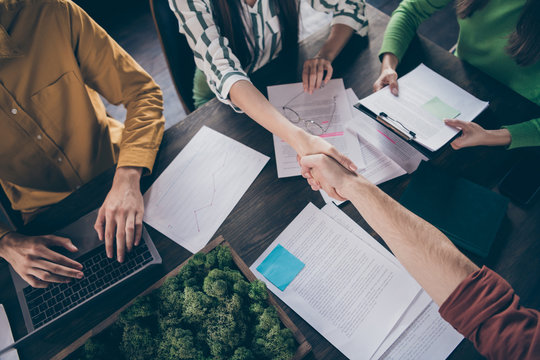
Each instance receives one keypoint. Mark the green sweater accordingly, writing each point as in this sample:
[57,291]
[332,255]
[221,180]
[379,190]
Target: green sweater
[482,41]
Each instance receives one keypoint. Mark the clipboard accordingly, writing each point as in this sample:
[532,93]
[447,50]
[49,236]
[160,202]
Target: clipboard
[392,126]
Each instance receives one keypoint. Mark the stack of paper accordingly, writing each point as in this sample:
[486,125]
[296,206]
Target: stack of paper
[385,155]
[325,113]
[379,154]
[352,290]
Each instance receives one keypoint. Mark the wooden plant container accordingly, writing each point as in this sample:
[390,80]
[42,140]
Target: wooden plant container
[303,346]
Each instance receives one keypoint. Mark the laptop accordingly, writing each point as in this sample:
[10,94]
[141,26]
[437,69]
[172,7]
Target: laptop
[41,307]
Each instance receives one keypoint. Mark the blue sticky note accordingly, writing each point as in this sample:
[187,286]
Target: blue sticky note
[280,267]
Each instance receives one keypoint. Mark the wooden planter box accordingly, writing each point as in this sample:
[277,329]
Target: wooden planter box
[303,348]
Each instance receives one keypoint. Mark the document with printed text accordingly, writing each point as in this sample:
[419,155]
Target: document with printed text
[324,113]
[347,290]
[420,331]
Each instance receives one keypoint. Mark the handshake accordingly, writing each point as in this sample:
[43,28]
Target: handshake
[323,172]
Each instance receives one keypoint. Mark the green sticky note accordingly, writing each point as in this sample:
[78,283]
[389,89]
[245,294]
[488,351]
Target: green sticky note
[439,109]
[280,267]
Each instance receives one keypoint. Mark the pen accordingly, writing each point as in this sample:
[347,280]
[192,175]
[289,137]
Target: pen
[403,132]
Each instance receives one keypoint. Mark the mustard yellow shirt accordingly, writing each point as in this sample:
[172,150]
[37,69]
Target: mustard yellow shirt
[55,134]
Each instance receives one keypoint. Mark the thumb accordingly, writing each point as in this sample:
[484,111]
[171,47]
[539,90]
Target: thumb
[63,242]
[100,224]
[456,124]
[342,160]
[309,161]
[394,87]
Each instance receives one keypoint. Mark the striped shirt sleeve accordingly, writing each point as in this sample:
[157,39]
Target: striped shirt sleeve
[346,12]
[211,51]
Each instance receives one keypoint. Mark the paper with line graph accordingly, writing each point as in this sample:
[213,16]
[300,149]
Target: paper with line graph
[193,196]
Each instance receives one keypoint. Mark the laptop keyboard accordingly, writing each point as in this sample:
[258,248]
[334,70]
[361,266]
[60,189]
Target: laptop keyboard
[100,273]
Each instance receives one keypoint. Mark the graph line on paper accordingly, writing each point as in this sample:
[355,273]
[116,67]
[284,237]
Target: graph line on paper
[194,195]
[213,194]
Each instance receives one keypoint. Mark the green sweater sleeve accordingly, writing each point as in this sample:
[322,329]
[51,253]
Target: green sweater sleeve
[404,23]
[524,134]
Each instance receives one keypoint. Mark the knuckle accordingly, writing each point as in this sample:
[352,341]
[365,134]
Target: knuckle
[46,276]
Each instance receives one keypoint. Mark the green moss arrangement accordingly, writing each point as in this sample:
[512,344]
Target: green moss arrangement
[207,311]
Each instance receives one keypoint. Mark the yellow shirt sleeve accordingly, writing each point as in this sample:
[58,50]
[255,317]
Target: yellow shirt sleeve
[113,73]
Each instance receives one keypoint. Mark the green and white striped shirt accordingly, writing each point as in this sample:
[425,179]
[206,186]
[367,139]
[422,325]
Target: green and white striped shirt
[213,55]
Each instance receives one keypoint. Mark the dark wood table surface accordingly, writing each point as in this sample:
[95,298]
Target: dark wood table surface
[270,204]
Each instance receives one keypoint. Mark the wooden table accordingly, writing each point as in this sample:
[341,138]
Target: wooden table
[270,204]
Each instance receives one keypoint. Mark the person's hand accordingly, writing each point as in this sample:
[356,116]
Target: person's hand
[388,74]
[307,144]
[120,216]
[313,74]
[473,134]
[32,258]
[328,174]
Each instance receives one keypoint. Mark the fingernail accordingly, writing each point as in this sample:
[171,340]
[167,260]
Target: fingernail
[80,275]
[395,92]
[353,167]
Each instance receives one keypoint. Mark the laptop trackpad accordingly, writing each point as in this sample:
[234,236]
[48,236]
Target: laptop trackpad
[82,234]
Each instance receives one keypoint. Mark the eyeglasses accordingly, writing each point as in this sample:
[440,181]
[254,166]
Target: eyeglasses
[310,126]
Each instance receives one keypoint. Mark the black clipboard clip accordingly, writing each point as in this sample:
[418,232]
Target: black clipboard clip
[394,125]
[397,126]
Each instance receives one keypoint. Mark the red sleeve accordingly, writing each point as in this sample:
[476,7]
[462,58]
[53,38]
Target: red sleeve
[485,309]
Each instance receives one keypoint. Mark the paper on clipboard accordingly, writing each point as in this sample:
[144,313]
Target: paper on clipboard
[426,97]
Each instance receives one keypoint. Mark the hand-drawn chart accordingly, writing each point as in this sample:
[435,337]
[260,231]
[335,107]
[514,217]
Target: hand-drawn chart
[201,186]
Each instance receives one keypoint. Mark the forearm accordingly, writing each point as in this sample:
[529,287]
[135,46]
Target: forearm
[338,38]
[389,61]
[245,95]
[499,137]
[427,254]
[130,175]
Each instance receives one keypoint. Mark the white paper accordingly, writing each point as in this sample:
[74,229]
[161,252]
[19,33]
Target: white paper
[347,291]
[201,186]
[383,139]
[420,318]
[428,338]
[328,107]
[417,88]
[378,167]
[350,225]
[417,307]
[6,337]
